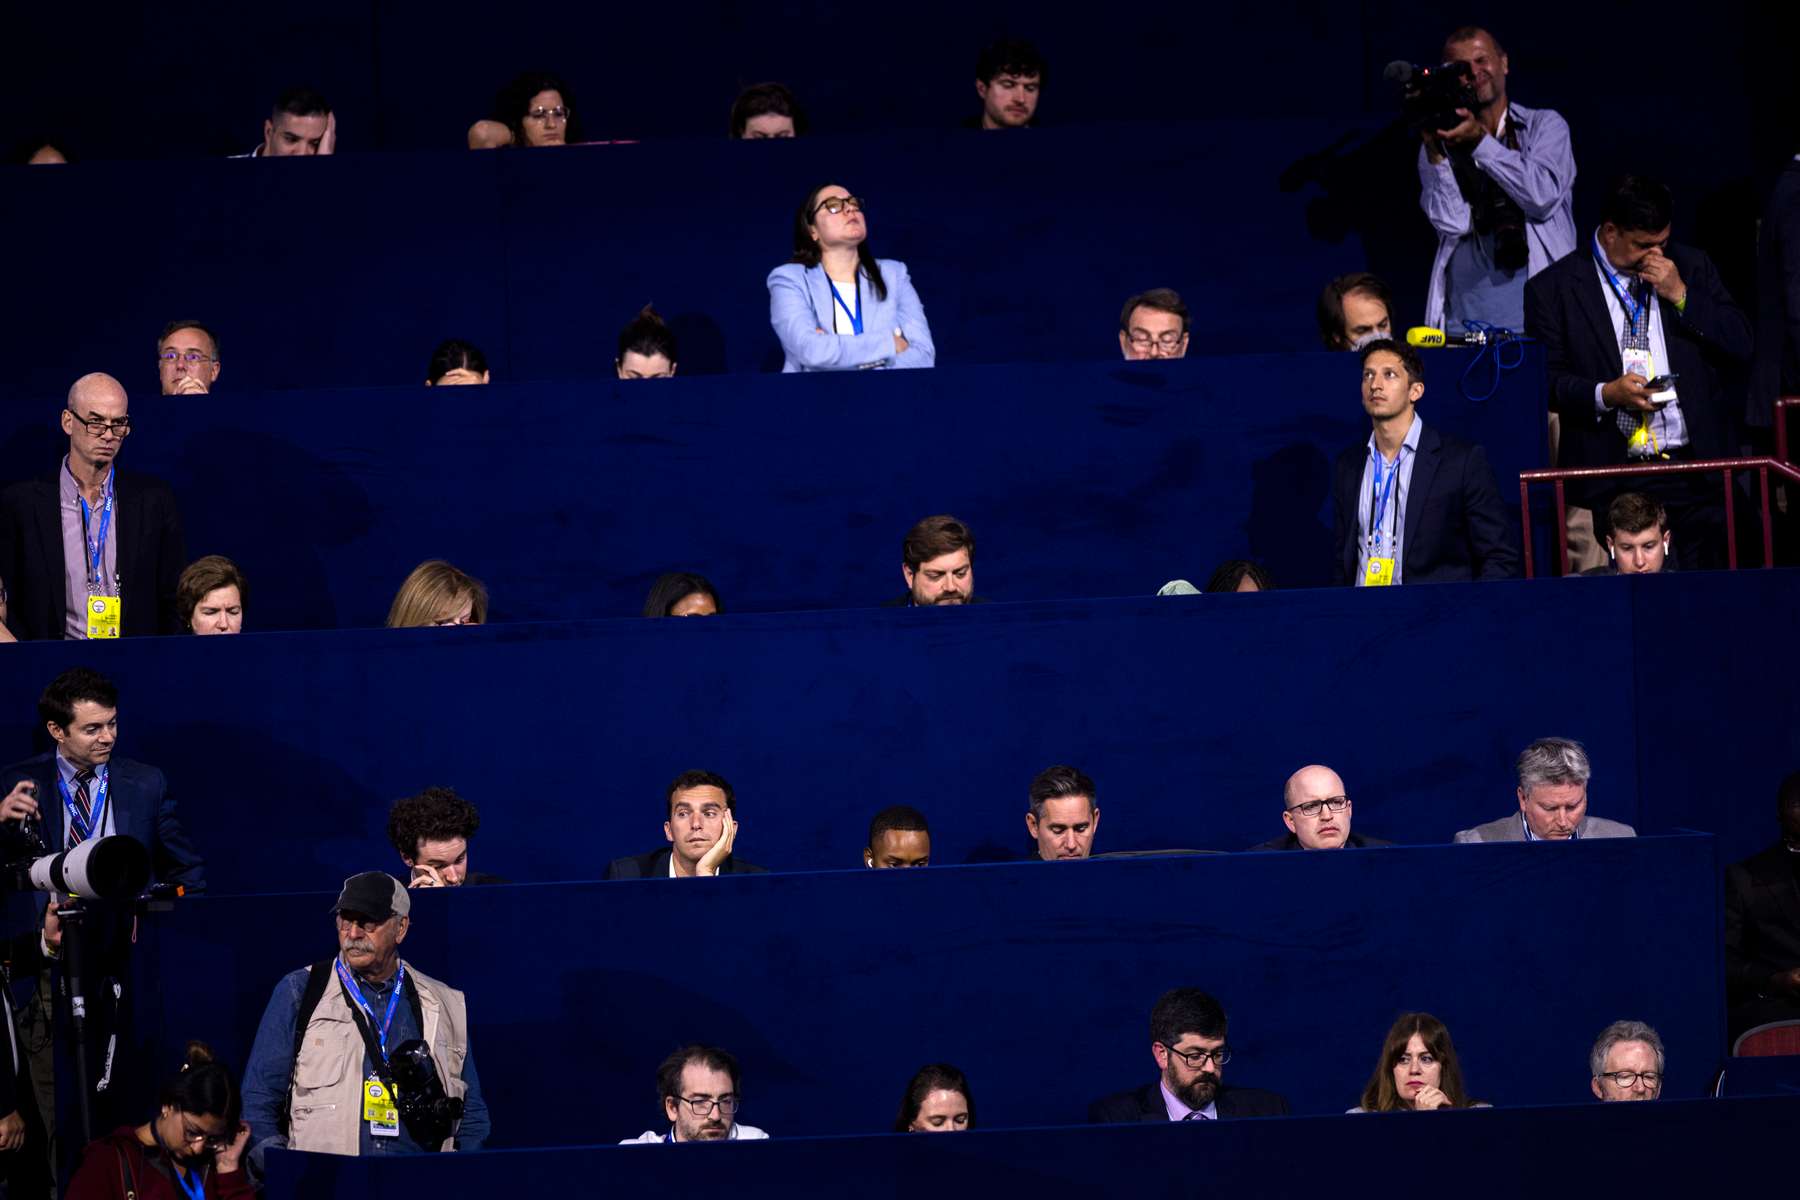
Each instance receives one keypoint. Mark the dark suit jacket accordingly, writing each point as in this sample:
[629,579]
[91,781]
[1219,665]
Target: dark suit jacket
[1453,524]
[138,796]
[655,865]
[1146,1104]
[1776,369]
[1762,921]
[151,555]
[1565,309]
[1290,842]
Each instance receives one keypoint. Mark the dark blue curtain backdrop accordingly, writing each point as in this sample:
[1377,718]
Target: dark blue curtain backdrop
[1188,713]
[1500,1154]
[568,500]
[1036,979]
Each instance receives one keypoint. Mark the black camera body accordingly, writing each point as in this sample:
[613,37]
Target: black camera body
[1430,96]
[429,1112]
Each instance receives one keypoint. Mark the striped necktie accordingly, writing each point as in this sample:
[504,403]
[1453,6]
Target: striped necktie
[84,807]
[1196,1115]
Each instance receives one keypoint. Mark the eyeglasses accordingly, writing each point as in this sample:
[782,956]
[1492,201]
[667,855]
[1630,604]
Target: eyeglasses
[190,1135]
[192,358]
[1197,1059]
[1168,341]
[1313,808]
[559,113]
[837,204]
[704,1105]
[1625,1079]
[100,426]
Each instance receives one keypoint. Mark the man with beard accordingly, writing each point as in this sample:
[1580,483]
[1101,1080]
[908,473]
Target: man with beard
[700,1097]
[1187,1040]
[937,560]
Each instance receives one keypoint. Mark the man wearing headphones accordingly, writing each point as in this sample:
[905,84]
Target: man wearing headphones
[1637,541]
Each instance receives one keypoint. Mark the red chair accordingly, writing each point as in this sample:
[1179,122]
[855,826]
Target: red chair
[1767,1041]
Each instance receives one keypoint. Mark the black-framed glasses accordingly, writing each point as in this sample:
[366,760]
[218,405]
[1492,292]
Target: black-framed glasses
[704,1105]
[1313,808]
[1196,1059]
[192,358]
[1625,1079]
[190,1135]
[559,113]
[837,204]
[100,426]
[1168,340]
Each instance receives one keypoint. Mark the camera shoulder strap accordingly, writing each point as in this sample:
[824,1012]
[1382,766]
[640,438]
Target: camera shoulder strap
[317,978]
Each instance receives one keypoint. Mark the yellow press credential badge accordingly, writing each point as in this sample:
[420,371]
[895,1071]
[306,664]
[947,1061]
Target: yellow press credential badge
[379,1110]
[103,613]
[1379,573]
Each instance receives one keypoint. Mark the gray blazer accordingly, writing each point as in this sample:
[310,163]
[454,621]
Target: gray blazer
[800,307]
[1511,829]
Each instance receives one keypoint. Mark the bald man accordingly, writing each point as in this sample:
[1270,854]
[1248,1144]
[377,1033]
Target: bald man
[88,551]
[1316,809]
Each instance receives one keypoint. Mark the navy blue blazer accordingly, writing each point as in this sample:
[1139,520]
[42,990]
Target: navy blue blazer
[1454,526]
[138,796]
[655,865]
[801,304]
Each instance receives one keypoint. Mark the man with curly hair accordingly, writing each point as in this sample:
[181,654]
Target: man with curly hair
[432,831]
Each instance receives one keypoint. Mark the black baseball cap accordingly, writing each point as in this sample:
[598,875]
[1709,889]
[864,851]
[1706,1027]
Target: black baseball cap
[374,894]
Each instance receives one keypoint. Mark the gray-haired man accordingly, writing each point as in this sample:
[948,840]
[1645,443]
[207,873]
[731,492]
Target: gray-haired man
[1553,782]
[1627,1062]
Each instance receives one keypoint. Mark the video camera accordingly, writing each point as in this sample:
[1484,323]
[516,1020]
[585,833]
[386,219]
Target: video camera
[430,1113]
[1430,96]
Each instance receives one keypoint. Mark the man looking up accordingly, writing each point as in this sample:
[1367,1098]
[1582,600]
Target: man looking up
[187,359]
[432,831]
[116,538]
[1008,77]
[1154,324]
[898,837]
[1316,810]
[701,1094]
[1063,817]
[330,1090]
[701,829]
[1412,505]
[937,561]
[1497,187]
[302,123]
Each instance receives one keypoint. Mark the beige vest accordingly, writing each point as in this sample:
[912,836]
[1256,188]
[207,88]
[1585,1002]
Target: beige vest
[325,1104]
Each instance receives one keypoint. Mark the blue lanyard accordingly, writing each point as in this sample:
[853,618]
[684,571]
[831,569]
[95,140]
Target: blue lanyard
[1382,492]
[387,1019]
[855,317]
[97,818]
[191,1182]
[97,548]
[1633,310]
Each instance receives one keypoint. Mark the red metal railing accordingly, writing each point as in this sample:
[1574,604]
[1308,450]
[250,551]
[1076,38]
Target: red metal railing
[1728,466]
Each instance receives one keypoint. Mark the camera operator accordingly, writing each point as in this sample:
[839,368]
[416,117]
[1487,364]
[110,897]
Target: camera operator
[321,1073]
[1496,186]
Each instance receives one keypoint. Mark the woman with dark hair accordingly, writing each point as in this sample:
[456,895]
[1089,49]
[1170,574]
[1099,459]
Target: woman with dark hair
[539,110]
[1417,1070]
[1240,575]
[646,347]
[192,1148]
[680,594]
[455,363]
[210,596]
[936,1100]
[835,306]
[766,110]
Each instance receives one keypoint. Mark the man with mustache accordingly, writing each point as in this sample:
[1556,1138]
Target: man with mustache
[1187,1040]
[701,828]
[701,1096]
[1008,77]
[937,561]
[1316,810]
[318,1077]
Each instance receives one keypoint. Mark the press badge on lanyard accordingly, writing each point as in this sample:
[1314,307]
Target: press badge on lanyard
[380,1109]
[103,609]
[1380,569]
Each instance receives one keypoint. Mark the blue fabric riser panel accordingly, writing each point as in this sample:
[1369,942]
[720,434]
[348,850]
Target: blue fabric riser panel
[1036,979]
[1188,713]
[568,500]
[1527,1152]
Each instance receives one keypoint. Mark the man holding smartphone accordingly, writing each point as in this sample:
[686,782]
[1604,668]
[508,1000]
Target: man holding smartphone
[1635,329]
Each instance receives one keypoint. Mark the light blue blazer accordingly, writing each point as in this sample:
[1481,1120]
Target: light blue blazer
[800,305]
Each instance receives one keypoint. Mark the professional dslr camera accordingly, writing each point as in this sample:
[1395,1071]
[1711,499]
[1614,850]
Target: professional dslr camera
[430,1113]
[1430,96]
